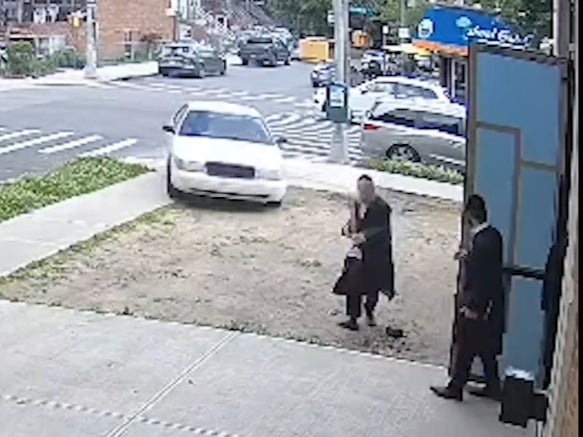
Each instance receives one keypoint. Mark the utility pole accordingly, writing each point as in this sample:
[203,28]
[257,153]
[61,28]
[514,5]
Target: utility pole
[339,146]
[91,66]
[402,33]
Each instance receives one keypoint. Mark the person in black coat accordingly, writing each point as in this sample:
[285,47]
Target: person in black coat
[368,267]
[480,324]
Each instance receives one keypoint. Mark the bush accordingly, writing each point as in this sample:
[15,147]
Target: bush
[21,61]
[73,179]
[405,168]
[68,58]
[20,58]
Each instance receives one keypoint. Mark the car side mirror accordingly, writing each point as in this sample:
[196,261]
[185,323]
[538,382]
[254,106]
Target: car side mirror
[280,141]
[167,128]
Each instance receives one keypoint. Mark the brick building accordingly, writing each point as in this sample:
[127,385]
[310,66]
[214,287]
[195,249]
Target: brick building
[126,24]
[122,26]
[563,412]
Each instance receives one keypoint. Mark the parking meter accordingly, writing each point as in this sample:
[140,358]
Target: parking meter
[337,103]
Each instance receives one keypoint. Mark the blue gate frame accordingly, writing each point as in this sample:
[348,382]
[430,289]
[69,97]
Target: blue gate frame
[517,129]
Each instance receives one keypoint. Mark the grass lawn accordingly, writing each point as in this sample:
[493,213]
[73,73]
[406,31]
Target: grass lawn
[72,179]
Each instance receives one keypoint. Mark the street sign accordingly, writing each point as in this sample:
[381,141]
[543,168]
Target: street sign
[337,103]
[330,18]
[385,30]
[404,33]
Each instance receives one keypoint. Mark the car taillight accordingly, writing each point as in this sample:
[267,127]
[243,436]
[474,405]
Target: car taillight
[369,127]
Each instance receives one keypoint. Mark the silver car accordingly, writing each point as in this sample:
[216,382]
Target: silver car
[417,132]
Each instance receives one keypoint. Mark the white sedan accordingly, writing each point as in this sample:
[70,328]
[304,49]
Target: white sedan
[362,97]
[223,150]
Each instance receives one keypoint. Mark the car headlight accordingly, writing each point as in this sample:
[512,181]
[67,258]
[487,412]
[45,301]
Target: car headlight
[269,174]
[184,165]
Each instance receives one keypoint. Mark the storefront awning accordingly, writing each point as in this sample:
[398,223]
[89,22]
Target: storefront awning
[450,30]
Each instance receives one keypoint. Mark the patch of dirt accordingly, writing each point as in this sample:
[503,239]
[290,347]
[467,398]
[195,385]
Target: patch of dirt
[263,270]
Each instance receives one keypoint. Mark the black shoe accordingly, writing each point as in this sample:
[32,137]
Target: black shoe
[352,325]
[394,332]
[486,392]
[447,393]
[371,320]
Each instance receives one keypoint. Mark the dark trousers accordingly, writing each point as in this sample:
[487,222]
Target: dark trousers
[354,304]
[474,339]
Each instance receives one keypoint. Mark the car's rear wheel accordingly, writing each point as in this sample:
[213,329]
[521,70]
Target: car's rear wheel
[403,152]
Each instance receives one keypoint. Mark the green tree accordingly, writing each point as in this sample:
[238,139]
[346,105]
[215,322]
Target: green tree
[391,11]
[304,16]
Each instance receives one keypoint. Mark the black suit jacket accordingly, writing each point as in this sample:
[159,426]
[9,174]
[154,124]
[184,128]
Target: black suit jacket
[377,251]
[483,288]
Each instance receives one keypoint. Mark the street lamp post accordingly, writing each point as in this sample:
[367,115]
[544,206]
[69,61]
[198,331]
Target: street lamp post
[91,65]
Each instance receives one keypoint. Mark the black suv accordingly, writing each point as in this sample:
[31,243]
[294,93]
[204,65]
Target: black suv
[264,50]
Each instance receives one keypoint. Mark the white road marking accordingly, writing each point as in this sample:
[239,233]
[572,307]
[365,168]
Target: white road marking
[70,144]
[282,120]
[17,134]
[285,100]
[29,143]
[110,148]
[270,96]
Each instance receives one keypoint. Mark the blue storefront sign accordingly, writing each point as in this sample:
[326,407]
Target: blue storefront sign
[453,29]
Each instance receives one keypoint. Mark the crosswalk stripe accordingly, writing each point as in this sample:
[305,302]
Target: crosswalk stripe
[17,134]
[271,96]
[70,145]
[283,121]
[285,100]
[110,148]
[36,141]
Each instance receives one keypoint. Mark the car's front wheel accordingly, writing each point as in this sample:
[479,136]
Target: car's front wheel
[274,204]
[171,190]
[201,73]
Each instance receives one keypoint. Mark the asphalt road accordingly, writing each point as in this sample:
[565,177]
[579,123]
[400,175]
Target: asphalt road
[42,128]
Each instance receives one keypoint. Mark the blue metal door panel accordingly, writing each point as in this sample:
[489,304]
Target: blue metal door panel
[531,104]
[492,175]
[536,217]
[514,158]
[522,345]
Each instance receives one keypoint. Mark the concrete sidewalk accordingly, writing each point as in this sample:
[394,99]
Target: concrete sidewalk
[44,232]
[76,77]
[69,373]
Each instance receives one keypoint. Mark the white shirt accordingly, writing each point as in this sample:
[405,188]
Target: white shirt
[477,229]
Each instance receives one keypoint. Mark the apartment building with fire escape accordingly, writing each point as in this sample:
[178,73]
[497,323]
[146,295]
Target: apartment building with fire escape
[52,25]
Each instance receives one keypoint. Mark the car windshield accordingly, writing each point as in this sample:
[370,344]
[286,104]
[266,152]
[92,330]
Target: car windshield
[225,126]
[175,50]
[259,41]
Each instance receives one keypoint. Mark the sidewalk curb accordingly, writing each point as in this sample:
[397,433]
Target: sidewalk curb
[75,220]
[308,178]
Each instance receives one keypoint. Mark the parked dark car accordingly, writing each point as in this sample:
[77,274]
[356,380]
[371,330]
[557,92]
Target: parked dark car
[193,60]
[264,50]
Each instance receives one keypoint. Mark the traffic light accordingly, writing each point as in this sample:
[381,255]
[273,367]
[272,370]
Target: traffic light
[76,19]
